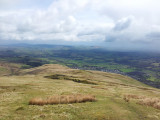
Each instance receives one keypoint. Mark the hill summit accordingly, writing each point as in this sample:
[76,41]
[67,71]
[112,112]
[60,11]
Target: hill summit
[116,97]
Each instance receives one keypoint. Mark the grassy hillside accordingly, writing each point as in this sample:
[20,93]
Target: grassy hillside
[142,66]
[9,68]
[117,97]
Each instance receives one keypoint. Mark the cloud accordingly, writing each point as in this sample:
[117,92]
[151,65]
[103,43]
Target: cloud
[153,35]
[122,24]
[23,4]
[8,2]
[125,21]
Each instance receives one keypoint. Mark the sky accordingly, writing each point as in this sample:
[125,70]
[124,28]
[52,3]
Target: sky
[113,24]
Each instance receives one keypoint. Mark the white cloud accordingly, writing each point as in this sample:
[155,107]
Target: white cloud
[82,20]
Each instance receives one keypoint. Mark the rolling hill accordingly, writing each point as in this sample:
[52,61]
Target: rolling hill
[117,97]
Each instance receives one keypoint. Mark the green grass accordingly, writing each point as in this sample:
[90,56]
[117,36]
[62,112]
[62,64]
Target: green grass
[152,78]
[2,69]
[126,70]
[16,91]
[156,64]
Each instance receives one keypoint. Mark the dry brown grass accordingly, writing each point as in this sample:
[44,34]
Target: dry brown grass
[157,105]
[126,99]
[142,100]
[62,99]
[153,102]
[131,96]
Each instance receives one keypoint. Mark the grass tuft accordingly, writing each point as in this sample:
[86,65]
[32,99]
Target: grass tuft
[131,96]
[153,102]
[142,100]
[63,99]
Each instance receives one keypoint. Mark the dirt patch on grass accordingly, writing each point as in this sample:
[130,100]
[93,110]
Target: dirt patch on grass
[62,99]
[99,87]
[84,81]
[72,78]
[57,76]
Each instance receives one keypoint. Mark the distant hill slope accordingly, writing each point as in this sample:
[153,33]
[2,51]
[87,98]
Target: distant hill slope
[45,69]
[53,69]
[8,68]
[118,97]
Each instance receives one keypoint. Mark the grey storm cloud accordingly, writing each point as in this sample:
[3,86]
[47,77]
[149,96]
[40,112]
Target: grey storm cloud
[122,24]
[117,37]
[153,35]
[110,38]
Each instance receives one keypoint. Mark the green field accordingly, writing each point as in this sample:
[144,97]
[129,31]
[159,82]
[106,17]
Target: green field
[142,66]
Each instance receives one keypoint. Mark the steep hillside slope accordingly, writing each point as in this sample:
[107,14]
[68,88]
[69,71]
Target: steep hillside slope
[118,97]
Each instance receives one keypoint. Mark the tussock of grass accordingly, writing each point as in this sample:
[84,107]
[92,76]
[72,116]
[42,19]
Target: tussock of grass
[62,99]
[127,98]
[153,102]
[142,100]
[130,96]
